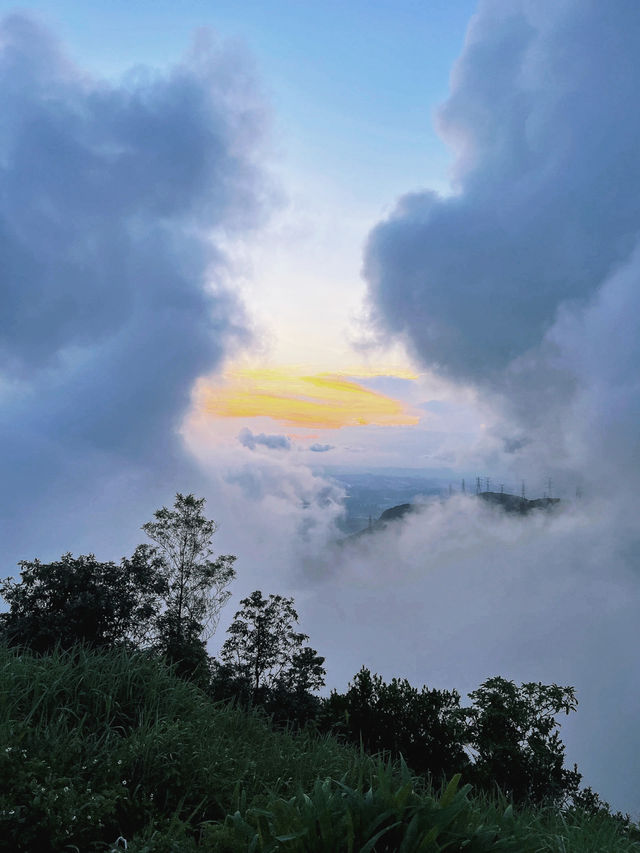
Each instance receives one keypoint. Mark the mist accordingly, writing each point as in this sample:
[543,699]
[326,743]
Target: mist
[524,283]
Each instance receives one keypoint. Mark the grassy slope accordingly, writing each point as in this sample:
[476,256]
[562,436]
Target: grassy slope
[100,746]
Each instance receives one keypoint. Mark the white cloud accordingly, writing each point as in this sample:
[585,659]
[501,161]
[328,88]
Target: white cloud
[115,297]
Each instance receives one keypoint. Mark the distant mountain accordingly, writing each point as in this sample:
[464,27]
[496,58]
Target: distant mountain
[512,504]
[368,494]
[390,515]
[515,504]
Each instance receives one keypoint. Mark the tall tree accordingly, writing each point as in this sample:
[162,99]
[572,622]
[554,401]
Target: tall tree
[514,734]
[196,581]
[265,651]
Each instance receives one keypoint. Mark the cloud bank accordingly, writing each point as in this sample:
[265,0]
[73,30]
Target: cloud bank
[458,593]
[525,285]
[543,131]
[115,296]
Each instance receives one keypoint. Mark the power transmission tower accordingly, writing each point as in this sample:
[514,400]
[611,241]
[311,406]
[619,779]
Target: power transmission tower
[477,485]
[464,491]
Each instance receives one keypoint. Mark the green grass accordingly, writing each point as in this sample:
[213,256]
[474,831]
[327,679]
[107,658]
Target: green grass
[101,746]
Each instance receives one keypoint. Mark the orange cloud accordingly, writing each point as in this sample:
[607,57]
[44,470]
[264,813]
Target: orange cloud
[318,401]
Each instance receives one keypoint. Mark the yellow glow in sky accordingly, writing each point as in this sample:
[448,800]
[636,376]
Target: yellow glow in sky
[317,401]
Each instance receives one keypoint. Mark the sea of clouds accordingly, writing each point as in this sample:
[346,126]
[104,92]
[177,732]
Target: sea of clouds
[525,283]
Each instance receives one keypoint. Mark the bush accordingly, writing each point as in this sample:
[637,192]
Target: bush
[425,727]
[81,600]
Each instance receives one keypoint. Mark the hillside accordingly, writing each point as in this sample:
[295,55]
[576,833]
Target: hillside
[517,504]
[512,504]
[105,751]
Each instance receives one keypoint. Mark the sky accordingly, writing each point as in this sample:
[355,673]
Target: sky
[244,245]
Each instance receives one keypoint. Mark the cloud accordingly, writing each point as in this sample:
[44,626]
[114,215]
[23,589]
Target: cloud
[272,509]
[115,296]
[459,592]
[321,448]
[273,442]
[545,139]
[524,284]
[293,398]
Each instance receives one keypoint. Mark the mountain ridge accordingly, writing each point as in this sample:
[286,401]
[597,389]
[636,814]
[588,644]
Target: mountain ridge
[512,504]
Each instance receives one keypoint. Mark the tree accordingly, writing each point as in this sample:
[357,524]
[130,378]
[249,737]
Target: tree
[265,651]
[196,583]
[426,727]
[79,599]
[513,732]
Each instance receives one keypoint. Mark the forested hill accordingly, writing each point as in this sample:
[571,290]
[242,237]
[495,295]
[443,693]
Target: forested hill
[514,503]
[510,503]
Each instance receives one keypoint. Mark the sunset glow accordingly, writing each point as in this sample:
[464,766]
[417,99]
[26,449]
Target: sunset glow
[317,401]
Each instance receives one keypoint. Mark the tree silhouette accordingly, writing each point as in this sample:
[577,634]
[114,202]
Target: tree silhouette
[196,582]
[79,599]
[265,651]
[426,727]
[513,731]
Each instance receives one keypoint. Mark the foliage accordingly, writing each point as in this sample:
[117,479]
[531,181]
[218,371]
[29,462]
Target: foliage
[510,731]
[102,749]
[385,814]
[587,801]
[513,731]
[97,744]
[169,596]
[425,727]
[196,583]
[265,653]
[79,599]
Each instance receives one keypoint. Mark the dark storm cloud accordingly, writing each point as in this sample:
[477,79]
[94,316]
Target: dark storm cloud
[542,121]
[113,296]
[273,442]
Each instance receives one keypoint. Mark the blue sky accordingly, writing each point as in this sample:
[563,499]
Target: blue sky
[353,85]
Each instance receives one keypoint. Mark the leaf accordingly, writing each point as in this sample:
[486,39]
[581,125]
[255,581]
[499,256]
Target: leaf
[371,843]
[450,791]
[429,838]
